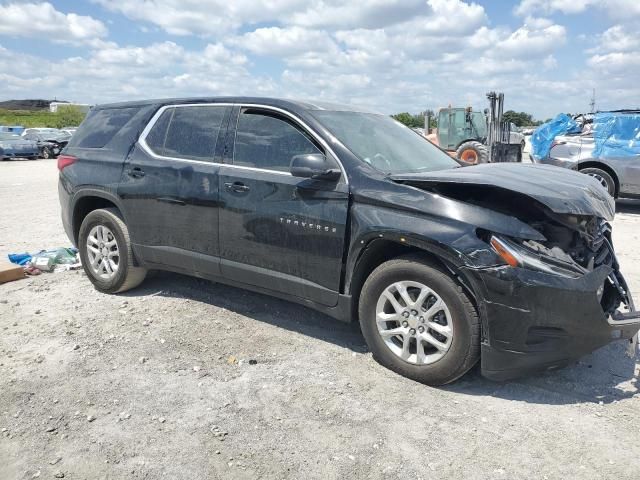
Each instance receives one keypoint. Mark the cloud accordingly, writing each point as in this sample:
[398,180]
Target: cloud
[617,39]
[535,38]
[389,55]
[211,18]
[216,18]
[119,73]
[528,7]
[363,14]
[615,62]
[622,10]
[38,19]
[284,42]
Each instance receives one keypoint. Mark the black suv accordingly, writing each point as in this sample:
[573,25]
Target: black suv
[350,213]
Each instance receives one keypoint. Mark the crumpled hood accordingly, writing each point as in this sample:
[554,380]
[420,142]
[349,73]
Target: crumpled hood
[561,190]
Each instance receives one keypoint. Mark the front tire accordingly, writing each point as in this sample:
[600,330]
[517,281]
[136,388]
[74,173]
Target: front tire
[105,251]
[46,153]
[418,322]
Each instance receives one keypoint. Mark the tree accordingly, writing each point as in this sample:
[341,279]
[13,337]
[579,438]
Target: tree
[520,119]
[68,116]
[414,121]
[407,119]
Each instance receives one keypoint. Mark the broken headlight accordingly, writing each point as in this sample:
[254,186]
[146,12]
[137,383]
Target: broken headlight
[519,255]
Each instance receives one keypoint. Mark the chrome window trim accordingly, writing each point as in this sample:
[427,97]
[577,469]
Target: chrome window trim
[143,144]
[142,140]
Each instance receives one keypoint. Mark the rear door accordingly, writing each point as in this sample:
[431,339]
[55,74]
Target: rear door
[279,232]
[169,188]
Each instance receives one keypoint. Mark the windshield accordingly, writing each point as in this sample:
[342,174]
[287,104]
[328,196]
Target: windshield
[384,143]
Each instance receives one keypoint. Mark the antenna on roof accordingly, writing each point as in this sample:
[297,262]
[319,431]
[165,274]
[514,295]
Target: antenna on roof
[592,103]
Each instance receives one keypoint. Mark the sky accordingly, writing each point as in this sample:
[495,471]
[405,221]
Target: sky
[547,56]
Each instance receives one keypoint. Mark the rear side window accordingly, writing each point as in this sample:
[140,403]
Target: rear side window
[101,126]
[187,132]
[158,134]
[268,141]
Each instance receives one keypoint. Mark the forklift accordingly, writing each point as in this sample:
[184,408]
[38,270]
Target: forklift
[476,137]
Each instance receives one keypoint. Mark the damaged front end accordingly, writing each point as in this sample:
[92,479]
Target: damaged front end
[574,247]
[553,301]
[547,299]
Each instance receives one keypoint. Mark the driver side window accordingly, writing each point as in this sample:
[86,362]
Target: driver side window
[269,141]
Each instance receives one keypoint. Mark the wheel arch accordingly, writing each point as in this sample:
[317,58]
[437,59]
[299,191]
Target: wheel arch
[602,166]
[380,250]
[86,201]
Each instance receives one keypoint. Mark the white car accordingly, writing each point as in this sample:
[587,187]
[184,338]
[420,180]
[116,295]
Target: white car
[515,135]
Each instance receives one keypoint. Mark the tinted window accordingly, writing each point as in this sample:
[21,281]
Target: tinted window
[157,135]
[101,126]
[193,132]
[267,141]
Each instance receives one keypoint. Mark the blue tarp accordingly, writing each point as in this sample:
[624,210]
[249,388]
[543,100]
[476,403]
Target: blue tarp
[19,258]
[543,136]
[616,134]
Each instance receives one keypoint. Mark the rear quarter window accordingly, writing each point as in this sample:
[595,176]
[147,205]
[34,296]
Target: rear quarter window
[100,126]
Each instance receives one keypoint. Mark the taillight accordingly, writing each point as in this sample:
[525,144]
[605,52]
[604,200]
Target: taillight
[65,160]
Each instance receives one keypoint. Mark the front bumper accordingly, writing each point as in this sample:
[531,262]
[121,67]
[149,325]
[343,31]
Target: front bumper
[536,321]
[7,153]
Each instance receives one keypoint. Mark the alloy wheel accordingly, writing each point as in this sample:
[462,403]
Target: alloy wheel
[103,252]
[414,322]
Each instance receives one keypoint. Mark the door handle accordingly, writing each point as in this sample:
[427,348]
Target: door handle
[238,187]
[136,172]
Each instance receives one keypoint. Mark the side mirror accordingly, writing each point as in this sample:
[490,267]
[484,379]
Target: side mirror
[313,165]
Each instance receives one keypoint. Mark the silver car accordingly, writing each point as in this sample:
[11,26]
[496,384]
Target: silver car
[619,175]
[515,135]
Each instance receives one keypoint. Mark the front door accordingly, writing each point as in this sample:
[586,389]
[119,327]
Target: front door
[169,188]
[280,232]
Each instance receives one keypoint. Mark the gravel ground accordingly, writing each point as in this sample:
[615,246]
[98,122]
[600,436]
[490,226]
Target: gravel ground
[186,379]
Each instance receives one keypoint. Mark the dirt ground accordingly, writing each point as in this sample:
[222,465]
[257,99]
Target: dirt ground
[185,379]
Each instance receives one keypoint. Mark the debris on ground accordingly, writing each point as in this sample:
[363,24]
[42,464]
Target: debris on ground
[58,260]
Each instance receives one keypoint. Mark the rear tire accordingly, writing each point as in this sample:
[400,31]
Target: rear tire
[121,274]
[458,346]
[605,179]
[472,153]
